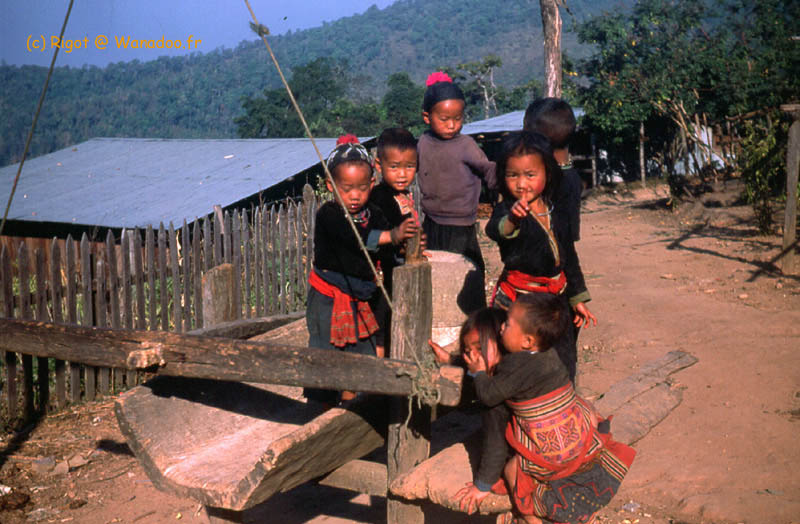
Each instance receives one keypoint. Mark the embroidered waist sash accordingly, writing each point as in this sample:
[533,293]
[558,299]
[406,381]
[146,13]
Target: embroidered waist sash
[346,327]
[553,434]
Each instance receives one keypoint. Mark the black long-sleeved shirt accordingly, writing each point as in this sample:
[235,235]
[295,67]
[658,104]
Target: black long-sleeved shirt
[518,376]
[528,248]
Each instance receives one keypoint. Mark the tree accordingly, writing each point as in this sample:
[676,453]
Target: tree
[402,103]
[551,26]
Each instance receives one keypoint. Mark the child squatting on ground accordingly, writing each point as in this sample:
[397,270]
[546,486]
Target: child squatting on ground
[451,167]
[565,465]
[342,283]
[533,236]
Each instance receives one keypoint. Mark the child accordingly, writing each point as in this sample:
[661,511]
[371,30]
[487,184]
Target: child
[537,251]
[554,118]
[341,283]
[451,166]
[565,479]
[396,161]
[480,337]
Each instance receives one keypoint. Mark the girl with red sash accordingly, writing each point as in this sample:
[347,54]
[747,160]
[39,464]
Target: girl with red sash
[566,466]
[536,246]
[342,283]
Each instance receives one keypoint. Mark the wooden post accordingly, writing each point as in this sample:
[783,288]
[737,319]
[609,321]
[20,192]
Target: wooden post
[218,295]
[412,320]
[788,265]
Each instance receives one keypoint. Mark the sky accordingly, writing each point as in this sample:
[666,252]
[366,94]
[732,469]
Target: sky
[28,26]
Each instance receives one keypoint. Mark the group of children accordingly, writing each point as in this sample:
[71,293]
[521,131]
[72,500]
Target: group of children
[543,442]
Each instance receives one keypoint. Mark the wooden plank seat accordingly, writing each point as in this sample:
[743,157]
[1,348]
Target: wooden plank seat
[637,404]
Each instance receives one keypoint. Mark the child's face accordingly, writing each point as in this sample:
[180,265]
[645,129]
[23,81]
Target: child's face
[446,118]
[398,167]
[472,346]
[525,177]
[514,337]
[354,181]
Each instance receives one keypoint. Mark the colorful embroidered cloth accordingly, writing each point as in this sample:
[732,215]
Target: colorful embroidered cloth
[346,327]
[513,282]
[566,470]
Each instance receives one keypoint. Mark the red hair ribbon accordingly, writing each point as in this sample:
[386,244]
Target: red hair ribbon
[347,139]
[438,76]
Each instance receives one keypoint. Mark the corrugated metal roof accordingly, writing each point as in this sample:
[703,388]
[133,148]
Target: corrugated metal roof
[507,122]
[130,182]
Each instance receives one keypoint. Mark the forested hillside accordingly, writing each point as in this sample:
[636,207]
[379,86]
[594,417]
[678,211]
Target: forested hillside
[200,95]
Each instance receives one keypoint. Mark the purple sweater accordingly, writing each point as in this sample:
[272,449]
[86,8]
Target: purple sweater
[449,176]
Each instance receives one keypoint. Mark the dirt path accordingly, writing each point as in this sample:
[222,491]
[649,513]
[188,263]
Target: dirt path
[699,280]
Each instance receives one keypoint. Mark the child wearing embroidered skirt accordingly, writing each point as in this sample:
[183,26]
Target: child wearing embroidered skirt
[537,250]
[566,466]
[342,283]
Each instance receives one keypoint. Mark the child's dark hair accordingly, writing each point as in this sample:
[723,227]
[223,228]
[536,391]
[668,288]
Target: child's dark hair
[487,321]
[440,87]
[545,317]
[552,117]
[348,150]
[397,137]
[523,143]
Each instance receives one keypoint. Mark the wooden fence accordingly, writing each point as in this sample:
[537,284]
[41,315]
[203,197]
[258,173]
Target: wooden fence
[147,279]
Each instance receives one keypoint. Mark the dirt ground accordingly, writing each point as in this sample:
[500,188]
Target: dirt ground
[699,279]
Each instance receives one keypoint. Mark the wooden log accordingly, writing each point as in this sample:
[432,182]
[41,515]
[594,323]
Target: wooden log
[247,328]
[409,434]
[232,446]
[176,354]
[72,318]
[58,317]
[218,305]
[358,475]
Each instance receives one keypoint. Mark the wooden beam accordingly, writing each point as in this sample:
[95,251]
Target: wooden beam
[182,355]
[359,475]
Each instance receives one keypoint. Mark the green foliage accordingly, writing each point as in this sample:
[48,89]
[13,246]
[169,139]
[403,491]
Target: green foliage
[762,162]
[200,95]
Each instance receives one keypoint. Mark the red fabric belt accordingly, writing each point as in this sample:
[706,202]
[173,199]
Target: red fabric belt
[513,281]
[343,321]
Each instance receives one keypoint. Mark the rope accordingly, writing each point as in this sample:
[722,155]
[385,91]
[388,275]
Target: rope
[35,119]
[423,387]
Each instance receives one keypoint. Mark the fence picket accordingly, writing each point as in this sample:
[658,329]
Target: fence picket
[217,240]
[42,363]
[10,357]
[25,313]
[207,244]
[138,279]
[88,318]
[186,270]
[103,374]
[258,261]
[72,316]
[176,279]
[236,260]
[113,294]
[58,317]
[162,277]
[246,230]
[150,263]
[125,281]
[197,267]
[299,282]
[274,260]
